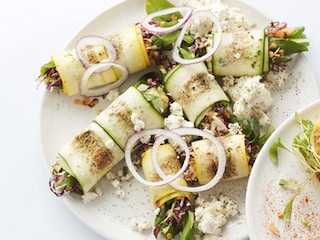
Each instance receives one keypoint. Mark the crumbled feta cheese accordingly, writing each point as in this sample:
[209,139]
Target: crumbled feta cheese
[120,193]
[113,94]
[200,27]
[173,121]
[275,79]
[90,196]
[175,118]
[110,175]
[250,96]
[109,144]
[124,175]
[140,225]
[211,215]
[117,180]
[145,139]
[176,109]
[234,128]
[157,211]
[231,18]
[137,122]
[116,183]
[121,172]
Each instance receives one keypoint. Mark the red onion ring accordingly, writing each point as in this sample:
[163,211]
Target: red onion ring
[158,132]
[94,40]
[218,32]
[101,90]
[145,23]
[221,158]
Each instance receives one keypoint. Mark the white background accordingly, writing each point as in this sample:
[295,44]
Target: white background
[29,32]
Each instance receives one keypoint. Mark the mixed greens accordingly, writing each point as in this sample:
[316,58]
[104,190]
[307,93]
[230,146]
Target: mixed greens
[175,216]
[283,42]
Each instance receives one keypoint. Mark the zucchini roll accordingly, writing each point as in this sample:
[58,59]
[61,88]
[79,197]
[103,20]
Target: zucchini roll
[66,68]
[89,155]
[176,213]
[255,52]
[241,53]
[128,114]
[205,158]
[194,89]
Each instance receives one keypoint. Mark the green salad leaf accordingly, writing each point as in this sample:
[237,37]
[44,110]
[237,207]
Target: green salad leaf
[157,5]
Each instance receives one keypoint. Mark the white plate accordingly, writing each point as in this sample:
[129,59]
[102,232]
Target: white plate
[265,198]
[61,119]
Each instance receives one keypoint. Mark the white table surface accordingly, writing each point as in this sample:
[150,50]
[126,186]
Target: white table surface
[30,31]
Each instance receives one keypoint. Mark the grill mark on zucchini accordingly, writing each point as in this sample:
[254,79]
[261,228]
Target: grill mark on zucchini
[93,149]
[197,85]
[122,113]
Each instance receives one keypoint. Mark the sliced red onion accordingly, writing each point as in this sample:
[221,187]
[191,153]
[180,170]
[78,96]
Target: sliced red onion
[94,40]
[147,24]
[101,90]
[216,29]
[221,157]
[158,132]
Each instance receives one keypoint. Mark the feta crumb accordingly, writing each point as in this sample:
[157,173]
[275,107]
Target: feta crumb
[145,139]
[275,79]
[90,196]
[140,225]
[211,215]
[231,18]
[120,193]
[176,109]
[250,96]
[126,177]
[113,94]
[116,183]
[175,119]
[234,128]
[109,144]
[120,172]
[200,27]
[157,211]
[137,122]
[117,179]
[110,175]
